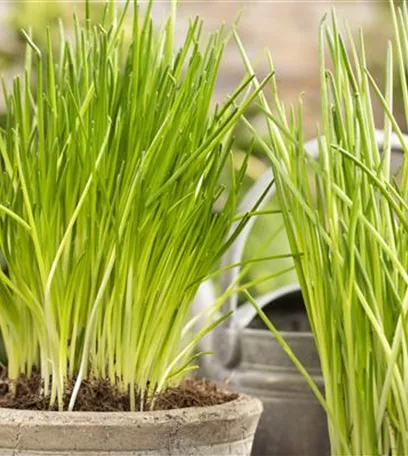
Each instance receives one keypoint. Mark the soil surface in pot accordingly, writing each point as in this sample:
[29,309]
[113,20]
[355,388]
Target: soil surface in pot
[101,396]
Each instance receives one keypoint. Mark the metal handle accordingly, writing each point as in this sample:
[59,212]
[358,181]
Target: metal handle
[236,251]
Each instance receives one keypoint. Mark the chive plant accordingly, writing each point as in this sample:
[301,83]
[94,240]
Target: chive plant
[110,165]
[346,218]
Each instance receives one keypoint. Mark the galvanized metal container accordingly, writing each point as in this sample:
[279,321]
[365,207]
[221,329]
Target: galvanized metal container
[294,423]
[252,361]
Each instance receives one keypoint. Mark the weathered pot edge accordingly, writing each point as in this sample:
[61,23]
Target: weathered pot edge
[31,431]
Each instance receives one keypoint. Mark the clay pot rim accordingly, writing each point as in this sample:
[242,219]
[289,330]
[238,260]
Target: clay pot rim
[247,404]
[221,428]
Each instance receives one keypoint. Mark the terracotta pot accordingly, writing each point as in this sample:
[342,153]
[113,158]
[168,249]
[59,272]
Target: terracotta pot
[221,430]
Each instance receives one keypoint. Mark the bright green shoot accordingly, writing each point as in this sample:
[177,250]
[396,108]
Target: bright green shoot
[348,229]
[110,166]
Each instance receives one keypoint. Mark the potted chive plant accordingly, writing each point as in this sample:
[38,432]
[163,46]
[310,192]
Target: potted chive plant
[110,164]
[346,219]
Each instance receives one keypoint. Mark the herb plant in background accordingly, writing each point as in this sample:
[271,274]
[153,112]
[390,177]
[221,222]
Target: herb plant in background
[348,230]
[110,175]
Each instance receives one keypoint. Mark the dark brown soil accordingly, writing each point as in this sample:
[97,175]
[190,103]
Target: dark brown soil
[101,396]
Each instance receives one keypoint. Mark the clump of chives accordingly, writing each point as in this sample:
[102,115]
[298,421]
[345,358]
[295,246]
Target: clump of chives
[110,164]
[346,219]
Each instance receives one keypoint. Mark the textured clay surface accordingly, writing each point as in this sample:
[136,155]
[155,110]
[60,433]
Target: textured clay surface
[221,430]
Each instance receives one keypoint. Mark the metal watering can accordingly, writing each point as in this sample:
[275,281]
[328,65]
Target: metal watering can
[249,357]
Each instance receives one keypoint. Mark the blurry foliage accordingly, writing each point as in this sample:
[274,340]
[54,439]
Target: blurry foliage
[37,16]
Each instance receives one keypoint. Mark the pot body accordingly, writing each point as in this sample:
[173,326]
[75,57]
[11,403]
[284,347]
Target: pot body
[226,429]
[293,422]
